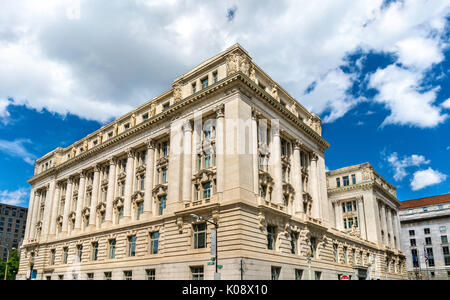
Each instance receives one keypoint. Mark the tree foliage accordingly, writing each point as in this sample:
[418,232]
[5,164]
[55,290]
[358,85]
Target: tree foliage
[13,266]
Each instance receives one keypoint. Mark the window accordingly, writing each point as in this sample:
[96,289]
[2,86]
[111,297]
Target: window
[444,239]
[108,275]
[166,105]
[95,251]
[60,277]
[119,214]
[336,253]
[145,117]
[446,253]
[317,275]
[276,273]
[294,242]
[313,246]
[338,182]
[412,233]
[79,252]
[52,256]
[199,236]
[204,83]
[151,274]
[206,190]
[345,180]
[426,230]
[164,175]
[430,257]
[90,276]
[410,211]
[415,258]
[66,254]
[162,204]
[154,237]
[216,77]
[128,275]
[440,206]
[443,229]
[428,241]
[132,245]
[349,206]
[345,255]
[413,242]
[271,237]
[197,273]
[353,179]
[140,210]
[298,274]
[112,249]
[126,126]
[194,88]
[425,209]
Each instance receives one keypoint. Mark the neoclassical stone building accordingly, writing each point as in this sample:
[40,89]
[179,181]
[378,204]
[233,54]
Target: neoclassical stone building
[225,143]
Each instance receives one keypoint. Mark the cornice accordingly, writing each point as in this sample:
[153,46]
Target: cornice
[174,111]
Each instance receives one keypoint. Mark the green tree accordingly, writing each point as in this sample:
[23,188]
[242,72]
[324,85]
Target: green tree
[13,266]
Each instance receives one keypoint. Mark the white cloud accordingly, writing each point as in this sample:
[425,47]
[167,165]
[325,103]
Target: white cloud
[446,104]
[4,113]
[425,178]
[408,161]
[16,148]
[100,59]
[18,197]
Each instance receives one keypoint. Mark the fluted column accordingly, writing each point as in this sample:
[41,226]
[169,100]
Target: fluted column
[297,178]
[94,198]
[55,206]
[383,222]
[361,217]
[33,211]
[338,215]
[110,191]
[187,162]
[149,171]
[277,169]
[255,153]
[48,208]
[390,227]
[128,186]
[80,201]
[220,149]
[397,230]
[314,184]
[67,205]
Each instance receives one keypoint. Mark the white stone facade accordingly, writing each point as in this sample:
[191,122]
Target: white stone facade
[225,143]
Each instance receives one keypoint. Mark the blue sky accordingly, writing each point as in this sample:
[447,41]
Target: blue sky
[377,73]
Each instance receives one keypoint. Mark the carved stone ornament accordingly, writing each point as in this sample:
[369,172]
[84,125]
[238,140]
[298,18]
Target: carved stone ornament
[160,190]
[274,92]
[238,61]
[262,221]
[315,123]
[179,223]
[177,93]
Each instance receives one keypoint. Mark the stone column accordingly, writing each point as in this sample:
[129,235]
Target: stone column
[67,205]
[128,186]
[220,142]
[29,216]
[34,211]
[110,191]
[149,171]
[277,168]
[314,184]
[338,215]
[397,230]
[48,208]
[383,222]
[80,201]
[297,178]
[187,162]
[55,206]
[94,198]
[390,227]
[255,154]
[361,217]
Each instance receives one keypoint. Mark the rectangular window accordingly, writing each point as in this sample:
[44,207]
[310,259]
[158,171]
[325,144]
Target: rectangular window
[413,242]
[313,246]
[52,256]
[95,251]
[164,175]
[108,275]
[132,245]
[349,206]
[165,149]
[166,106]
[206,190]
[194,88]
[345,180]
[140,210]
[162,204]
[446,253]
[216,77]
[151,274]
[145,117]
[412,233]
[205,83]
[120,214]
[428,241]
[444,239]
[90,276]
[128,275]
[430,257]
[443,229]
[426,230]
[271,237]
[276,273]
[154,238]
[335,253]
[66,254]
[298,274]
[353,179]
[415,258]
[317,275]
[142,182]
[79,252]
[338,182]
[112,249]
[294,242]
[199,236]
[197,273]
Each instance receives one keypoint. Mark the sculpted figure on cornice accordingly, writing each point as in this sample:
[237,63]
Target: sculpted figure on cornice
[274,92]
[133,120]
[315,123]
[152,110]
[367,174]
[177,94]
[238,61]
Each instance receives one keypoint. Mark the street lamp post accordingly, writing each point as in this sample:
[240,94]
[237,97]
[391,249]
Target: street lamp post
[216,226]
[7,258]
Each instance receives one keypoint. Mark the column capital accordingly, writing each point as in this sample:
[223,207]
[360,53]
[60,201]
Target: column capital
[187,126]
[151,145]
[130,153]
[83,174]
[97,168]
[112,161]
[220,110]
[297,145]
[314,156]
[255,114]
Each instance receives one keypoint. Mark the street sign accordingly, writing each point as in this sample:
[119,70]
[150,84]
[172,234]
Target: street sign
[345,277]
[210,264]
[219,266]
